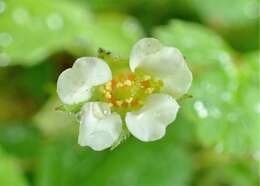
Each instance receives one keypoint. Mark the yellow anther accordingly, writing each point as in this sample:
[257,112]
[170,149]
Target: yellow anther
[119,85]
[149,90]
[128,82]
[129,100]
[119,103]
[108,95]
[108,86]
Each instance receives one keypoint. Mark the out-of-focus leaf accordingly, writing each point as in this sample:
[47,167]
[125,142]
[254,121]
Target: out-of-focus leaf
[35,81]
[200,46]
[136,163]
[113,32]
[53,122]
[239,25]
[23,90]
[29,32]
[143,9]
[164,162]
[244,116]
[10,173]
[21,140]
[224,172]
[214,88]
[64,163]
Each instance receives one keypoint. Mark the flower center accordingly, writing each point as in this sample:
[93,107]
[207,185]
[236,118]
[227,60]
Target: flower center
[126,92]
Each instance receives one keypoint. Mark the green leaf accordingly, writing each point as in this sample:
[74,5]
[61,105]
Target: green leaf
[20,139]
[243,20]
[236,173]
[165,162]
[31,32]
[200,46]
[241,120]
[243,135]
[142,164]
[10,172]
[53,122]
[64,163]
[143,9]
[115,33]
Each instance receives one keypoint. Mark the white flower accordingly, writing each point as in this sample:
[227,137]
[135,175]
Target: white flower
[144,93]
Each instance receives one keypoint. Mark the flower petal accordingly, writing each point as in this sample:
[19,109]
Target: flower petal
[165,63]
[99,128]
[150,122]
[74,84]
[142,49]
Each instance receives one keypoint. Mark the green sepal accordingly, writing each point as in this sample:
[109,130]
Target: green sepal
[70,108]
[117,64]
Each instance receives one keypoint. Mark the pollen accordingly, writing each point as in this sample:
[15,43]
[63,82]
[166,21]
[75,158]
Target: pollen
[127,91]
[108,86]
[108,95]
[119,103]
[149,90]
[129,100]
[119,85]
[128,82]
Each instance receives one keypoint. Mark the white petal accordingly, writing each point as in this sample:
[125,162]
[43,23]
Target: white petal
[150,122]
[99,128]
[74,84]
[165,63]
[142,49]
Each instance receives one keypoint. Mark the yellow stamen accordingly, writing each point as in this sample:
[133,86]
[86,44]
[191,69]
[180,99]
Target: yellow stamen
[128,83]
[119,103]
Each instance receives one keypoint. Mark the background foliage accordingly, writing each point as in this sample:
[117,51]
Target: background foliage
[216,138]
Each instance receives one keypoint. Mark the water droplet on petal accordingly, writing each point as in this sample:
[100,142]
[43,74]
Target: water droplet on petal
[4,59]
[54,22]
[201,109]
[2,6]
[20,16]
[5,39]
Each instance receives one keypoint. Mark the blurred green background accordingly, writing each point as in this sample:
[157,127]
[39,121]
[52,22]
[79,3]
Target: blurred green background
[216,138]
